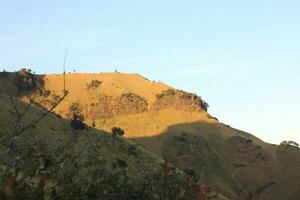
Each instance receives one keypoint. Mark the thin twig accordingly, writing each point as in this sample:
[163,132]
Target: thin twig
[33,124]
[14,105]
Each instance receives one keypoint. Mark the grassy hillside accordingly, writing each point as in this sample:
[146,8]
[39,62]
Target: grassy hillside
[176,126]
[56,161]
[240,167]
[78,153]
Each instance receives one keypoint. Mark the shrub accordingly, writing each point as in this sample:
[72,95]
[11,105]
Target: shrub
[289,143]
[93,84]
[3,73]
[77,123]
[212,117]
[180,138]
[249,140]
[116,131]
[132,150]
[46,93]
[76,117]
[121,163]
[55,97]
[190,172]
[292,143]
[75,109]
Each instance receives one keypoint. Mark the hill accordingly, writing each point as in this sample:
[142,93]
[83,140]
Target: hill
[175,126]
[56,161]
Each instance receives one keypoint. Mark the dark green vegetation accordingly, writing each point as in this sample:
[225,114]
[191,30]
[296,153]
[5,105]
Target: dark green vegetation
[76,117]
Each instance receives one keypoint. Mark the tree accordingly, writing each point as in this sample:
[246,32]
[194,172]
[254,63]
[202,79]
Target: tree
[76,117]
[26,81]
[292,143]
[289,143]
[116,131]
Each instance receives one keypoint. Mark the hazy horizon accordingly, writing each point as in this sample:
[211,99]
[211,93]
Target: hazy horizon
[242,58]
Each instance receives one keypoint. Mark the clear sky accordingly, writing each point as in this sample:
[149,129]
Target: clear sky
[242,57]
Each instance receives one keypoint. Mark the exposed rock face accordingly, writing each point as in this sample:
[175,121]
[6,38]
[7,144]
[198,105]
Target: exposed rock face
[108,106]
[180,100]
[130,103]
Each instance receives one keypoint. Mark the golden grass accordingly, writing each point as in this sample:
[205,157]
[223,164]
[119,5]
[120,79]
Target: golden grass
[151,123]
[113,84]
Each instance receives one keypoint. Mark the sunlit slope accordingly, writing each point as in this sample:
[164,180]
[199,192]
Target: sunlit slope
[112,84]
[152,120]
[146,115]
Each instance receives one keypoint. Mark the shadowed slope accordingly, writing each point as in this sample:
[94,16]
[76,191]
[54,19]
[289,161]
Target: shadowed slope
[231,161]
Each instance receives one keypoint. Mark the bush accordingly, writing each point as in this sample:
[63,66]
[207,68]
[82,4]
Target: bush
[46,93]
[249,140]
[76,117]
[132,150]
[75,109]
[77,123]
[117,132]
[190,172]
[121,163]
[289,143]
[292,143]
[93,84]
[3,73]
[180,138]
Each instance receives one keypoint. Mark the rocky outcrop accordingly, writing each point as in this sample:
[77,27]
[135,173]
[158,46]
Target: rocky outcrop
[108,106]
[130,103]
[180,100]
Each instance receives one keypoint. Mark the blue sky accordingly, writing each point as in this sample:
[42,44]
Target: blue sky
[242,57]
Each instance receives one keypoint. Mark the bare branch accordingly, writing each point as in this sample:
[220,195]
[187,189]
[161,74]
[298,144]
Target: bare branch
[20,116]
[31,100]
[14,105]
[33,124]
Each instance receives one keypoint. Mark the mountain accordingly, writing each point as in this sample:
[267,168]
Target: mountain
[173,125]
[56,161]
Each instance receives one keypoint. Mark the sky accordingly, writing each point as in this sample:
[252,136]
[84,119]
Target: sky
[242,57]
